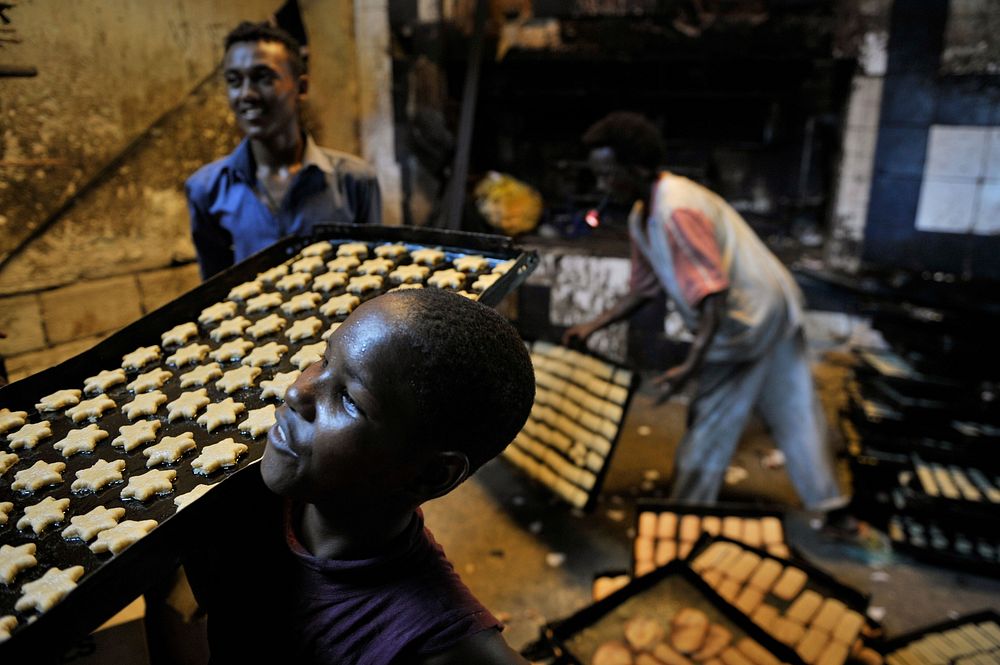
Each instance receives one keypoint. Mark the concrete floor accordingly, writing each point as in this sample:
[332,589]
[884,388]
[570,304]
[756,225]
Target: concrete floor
[531,559]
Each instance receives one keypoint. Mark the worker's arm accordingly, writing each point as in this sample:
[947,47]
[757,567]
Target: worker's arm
[710,312]
[622,310]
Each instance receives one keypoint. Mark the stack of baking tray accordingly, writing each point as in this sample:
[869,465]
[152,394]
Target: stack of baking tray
[237,340]
[970,640]
[580,403]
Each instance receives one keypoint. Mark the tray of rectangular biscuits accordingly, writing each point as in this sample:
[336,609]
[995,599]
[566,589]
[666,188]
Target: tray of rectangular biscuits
[665,618]
[99,455]
[973,639]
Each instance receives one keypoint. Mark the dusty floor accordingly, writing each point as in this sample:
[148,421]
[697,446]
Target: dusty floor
[531,559]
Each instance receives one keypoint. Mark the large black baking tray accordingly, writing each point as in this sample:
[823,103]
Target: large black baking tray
[661,593]
[946,541]
[111,582]
[889,647]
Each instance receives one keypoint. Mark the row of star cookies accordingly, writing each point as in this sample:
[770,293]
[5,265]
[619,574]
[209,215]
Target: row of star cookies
[426,256]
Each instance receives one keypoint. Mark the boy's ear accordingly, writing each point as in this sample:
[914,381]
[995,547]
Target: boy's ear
[444,472]
[303,84]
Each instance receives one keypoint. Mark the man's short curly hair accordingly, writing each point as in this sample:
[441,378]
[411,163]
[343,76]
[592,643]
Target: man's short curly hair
[471,374]
[635,140]
[248,31]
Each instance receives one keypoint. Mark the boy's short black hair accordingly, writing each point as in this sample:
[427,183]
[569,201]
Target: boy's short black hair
[247,31]
[471,376]
[635,140]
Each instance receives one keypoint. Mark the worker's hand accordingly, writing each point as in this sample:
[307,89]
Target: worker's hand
[670,382]
[578,334]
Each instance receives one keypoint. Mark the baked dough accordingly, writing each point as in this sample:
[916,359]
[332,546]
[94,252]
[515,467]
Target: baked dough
[642,632]
[234,350]
[264,302]
[647,525]
[93,478]
[43,514]
[364,283]
[329,331]
[484,282]
[29,435]
[771,531]
[765,575]
[11,419]
[5,508]
[58,400]
[666,525]
[309,264]
[179,334]
[504,267]
[717,639]
[7,624]
[245,290]
[427,257]
[235,379]
[233,327]
[187,405]
[270,276]
[390,251]
[789,584]
[265,356]
[756,653]
[151,380]
[169,449]
[469,295]
[80,440]
[145,404]
[612,653]
[321,248]
[376,267]
[217,312]
[688,630]
[309,354]
[221,413]
[303,329]
[411,274]
[296,280]
[141,357]
[407,287]
[184,500]
[200,376]
[87,526]
[471,263]
[270,324]
[340,305]
[258,421]
[218,455]
[38,475]
[749,600]
[131,436]
[277,386]
[343,264]
[193,353]
[359,249]
[15,559]
[449,278]
[330,281]
[117,538]
[804,607]
[7,460]
[43,594]
[142,487]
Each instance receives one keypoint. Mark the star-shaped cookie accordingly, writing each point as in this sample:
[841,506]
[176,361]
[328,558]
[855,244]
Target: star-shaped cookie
[358,249]
[117,538]
[80,440]
[244,291]
[258,421]
[151,380]
[321,248]
[270,276]
[221,413]
[217,456]
[5,508]
[376,267]
[311,264]
[486,281]
[43,594]
[217,312]
[8,623]
[29,435]
[343,264]
[233,350]
[169,449]
[270,324]
[309,354]
[411,274]
[504,267]
[192,353]
[296,280]
[332,329]
[187,405]
[302,303]
[184,500]
[88,525]
[58,400]
[277,386]
[266,355]
[427,256]
[15,559]
[100,383]
[38,475]
[90,408]
[447,279]
[145,404]
[407,287]
[179,334]
[304,329]
[93,478]
[230,328]
[142,487]
[132,436]
[8,460]
[11,419]
[364,283]
[340,305]
[264,302]
[234,379]
[471,263]
[200,376]
[141,357]
[468,294]
[43,514]
[329,281]
[390,251]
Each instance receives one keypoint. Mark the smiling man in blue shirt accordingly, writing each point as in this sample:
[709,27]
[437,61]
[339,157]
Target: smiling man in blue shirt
[277,182]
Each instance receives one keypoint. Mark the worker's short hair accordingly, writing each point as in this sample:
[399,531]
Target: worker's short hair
[247,31]
[635,140]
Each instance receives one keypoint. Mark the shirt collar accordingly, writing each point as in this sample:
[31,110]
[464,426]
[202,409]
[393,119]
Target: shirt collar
[241,159]
[313,155]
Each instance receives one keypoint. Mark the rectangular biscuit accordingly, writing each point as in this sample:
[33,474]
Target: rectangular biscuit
[834,653]
[787,631]
[811,645]
[751,533]
[765,575]
[732,656]
[711,525]
[771,530]
[756,653]
[684,548]
[728,589]
[829,614]
[804,607]
[764,616]
[666,525]
[713,578]
[644,549]
[789,584]
[779,550]
[647,524]
[847,629]
[712,555]
[666,551]
[732,527]
[690,528]
[741,569]
[749,600]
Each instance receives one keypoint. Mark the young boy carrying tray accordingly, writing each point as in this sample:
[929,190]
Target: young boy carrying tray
[416,391]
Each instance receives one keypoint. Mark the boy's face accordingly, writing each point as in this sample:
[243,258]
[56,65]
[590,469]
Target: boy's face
[344,430]
[262,90]
[616,180]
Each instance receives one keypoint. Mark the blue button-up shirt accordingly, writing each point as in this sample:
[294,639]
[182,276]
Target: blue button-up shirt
[229,222]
